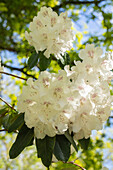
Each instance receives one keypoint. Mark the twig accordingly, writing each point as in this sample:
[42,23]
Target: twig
[7,104]
[2,130]
[76,165]
[19,69]
[76,159]
[6,130]
[72,162]
[2,72]
[9,49]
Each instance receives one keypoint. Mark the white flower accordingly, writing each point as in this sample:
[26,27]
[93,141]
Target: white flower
[51,32]
[90,123]
[91,52]
[83,119]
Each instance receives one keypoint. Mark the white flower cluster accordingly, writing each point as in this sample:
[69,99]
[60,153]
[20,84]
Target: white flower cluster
[51,32]
[91,93]
[45,105]
[78,99]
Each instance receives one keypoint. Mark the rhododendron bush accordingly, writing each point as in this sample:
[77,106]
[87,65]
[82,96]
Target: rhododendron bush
[61,109]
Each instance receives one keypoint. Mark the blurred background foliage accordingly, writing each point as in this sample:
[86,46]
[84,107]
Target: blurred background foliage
[92,23]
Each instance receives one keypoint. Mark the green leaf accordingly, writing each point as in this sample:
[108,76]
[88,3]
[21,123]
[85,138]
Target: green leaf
[3,112]
[45,149]
[9,118]
[23,139]
[84,143]
[6,121]
[18,121]
[31,142]
[62,148]
[33,59]
[43,61]
[70,138]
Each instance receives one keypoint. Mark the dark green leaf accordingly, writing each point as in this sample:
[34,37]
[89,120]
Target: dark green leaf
[45,149]
[9,118]
[3,112]
[5,121]
[84,143]
[32,61]
[70,138]
[31,142]
[43,61]
[23,139]
[62,148]
[18,121]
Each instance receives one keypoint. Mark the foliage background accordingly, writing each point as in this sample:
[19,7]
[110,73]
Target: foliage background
[92,23]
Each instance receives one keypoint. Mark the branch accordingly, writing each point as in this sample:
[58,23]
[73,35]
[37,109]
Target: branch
[2,72]
[72,162]
[13,68]
[76,3]
[76,165]
[19,69]
[7,104]
[10,49]
[2,130]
